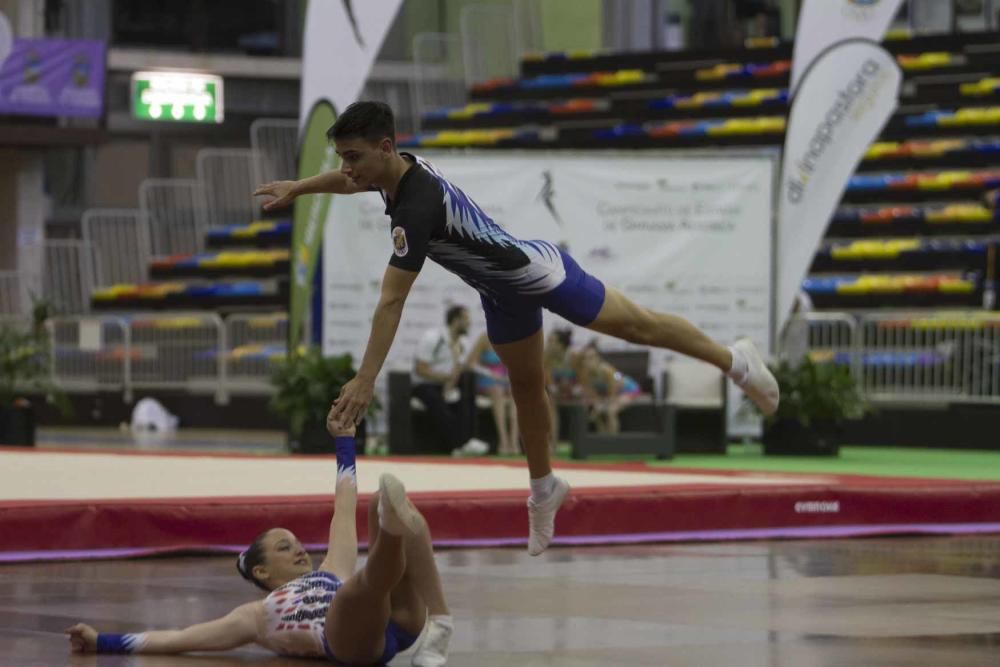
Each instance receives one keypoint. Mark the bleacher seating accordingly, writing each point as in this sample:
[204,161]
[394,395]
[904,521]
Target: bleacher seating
[912,229]
[236,278]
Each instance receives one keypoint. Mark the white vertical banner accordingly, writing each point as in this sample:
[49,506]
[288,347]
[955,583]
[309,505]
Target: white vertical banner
[844,100]
[823,23]
[342,38]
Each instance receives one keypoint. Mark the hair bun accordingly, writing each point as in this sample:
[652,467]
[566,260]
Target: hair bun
[241,565]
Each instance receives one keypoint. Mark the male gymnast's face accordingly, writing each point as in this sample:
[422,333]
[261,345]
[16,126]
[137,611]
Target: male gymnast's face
[284,558]
[364,162]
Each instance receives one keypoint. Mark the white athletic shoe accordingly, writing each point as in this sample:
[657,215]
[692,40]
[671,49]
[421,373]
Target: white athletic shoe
[433,652]
[395,513]
[759,384]
[542,517]
[472,447]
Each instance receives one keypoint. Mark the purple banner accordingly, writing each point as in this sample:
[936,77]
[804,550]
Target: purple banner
[53,77]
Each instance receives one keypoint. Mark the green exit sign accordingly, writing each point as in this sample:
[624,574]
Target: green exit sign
[183,97]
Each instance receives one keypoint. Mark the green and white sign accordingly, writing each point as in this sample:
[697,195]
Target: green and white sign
[316,155]
[181,97]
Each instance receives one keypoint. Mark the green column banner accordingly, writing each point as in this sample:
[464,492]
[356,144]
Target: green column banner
[316,155]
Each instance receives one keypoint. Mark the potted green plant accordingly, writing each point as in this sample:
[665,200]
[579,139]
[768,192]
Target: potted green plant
[306,384]
[816,400]
[25,355]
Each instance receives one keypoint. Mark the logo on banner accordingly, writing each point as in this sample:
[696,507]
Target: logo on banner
[866,83]
[547,193]
[399,246]
[349,9]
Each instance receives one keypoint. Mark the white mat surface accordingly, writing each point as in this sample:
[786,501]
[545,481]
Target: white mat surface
[68,476]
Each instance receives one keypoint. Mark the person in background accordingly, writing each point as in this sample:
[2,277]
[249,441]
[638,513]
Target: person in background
[436,370]
[560,374]
[491,381]
[605,390]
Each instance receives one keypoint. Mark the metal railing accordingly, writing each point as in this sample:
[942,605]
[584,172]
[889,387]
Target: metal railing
[896,358]
[121,241]
[256,344]
[910,357]
[90,354]
[274,142]
[226,176]
[184,351]
[939,357]
[174,208]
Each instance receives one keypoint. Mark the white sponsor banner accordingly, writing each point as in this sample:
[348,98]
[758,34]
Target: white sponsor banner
[342,38]
[689,236]
[845,99]
[823,23]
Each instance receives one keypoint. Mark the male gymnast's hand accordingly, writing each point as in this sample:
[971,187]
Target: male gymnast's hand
[337,427]
[351,405]
[82,638]
[282,191]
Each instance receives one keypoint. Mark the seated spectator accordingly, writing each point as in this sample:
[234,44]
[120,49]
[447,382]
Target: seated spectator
[491,381]
[560,373]
[436,370]
[605,390]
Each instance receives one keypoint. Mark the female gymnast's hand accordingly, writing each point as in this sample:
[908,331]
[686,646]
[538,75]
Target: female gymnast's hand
[82,638]
[338,427]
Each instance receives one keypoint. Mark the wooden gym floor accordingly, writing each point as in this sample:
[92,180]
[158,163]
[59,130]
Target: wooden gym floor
[888,601]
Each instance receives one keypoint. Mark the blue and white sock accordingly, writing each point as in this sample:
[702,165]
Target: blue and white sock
[346,466]
[111,643]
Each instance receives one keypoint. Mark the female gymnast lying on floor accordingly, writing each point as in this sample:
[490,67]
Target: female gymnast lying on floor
[362,617]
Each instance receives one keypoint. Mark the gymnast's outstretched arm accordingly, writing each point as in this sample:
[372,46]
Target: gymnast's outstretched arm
[236,628]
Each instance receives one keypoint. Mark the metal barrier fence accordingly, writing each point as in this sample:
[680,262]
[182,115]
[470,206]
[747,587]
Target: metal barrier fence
[226,176]
[174,209]
[938,357]
[121,243]
[194,352]
[911,357]
[274,142]
[256,344]
[179,351]
[90,354]
[944,357]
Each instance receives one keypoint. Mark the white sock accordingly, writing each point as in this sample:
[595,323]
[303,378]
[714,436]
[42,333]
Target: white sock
[443,620]
[740,369]
[542,487]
